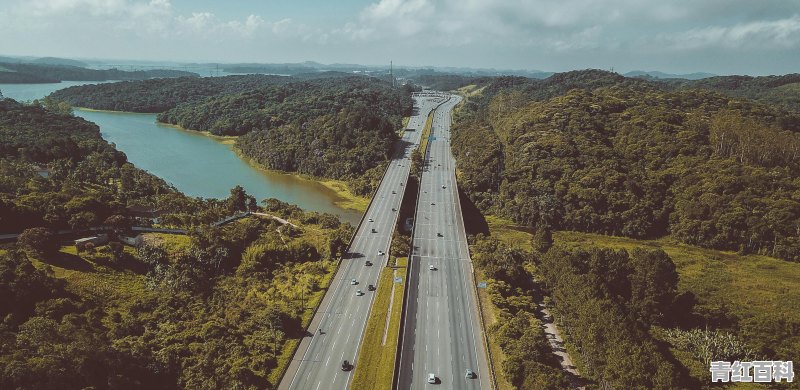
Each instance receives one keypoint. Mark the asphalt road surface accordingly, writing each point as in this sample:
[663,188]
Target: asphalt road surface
[336,330]
[442,331]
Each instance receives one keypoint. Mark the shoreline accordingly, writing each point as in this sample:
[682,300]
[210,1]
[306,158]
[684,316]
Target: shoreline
[344,197]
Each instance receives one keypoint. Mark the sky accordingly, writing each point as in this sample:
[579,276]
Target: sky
[754,37]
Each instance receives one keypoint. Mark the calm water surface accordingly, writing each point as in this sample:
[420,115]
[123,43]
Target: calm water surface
[195,164]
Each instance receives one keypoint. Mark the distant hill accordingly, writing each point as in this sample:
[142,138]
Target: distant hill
[661,75]
[59,61]
[782,91]
[17,73]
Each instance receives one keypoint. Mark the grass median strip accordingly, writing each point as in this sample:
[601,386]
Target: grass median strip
[376,359]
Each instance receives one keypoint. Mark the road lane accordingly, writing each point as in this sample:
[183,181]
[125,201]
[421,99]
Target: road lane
[452,328]
[342,315]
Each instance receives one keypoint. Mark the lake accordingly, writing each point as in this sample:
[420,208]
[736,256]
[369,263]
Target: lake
[195,164]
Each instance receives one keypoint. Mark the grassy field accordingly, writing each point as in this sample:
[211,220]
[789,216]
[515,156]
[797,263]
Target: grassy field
[348,200]
[426,133]
[376,359]
[92,277]
[405,121]
[172,243]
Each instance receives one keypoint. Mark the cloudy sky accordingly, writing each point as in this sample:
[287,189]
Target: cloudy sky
[718,36]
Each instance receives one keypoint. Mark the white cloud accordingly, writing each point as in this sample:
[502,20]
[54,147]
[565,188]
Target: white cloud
[778,34]
[142,18]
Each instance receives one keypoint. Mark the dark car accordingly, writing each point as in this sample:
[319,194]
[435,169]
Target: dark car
[346,366]
[371,288]
[368,263]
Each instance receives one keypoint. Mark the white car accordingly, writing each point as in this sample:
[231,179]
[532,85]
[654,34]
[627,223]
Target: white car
[431,267]
[381,253]
[371,220]
[359,293]
[353,282]
[432,378]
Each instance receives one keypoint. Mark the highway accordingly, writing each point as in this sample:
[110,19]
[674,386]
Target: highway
[442,331]
[336,330]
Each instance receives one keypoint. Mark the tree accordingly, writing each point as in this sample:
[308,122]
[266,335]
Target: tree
[542,240]
[119,223]
[40,241]
[654,285]
[239,200]
[416,162]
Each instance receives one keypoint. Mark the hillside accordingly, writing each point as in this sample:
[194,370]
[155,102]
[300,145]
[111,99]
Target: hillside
[53,73]
[621,156]
[159,95]
[782,91]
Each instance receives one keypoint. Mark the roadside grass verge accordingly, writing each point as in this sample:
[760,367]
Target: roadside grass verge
[376,361]
[290,346]
[405,122]
[426,133]
[490,319]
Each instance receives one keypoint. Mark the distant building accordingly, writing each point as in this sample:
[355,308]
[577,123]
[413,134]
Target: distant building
[146,212]
[42,171]
[99,239]
[132,241]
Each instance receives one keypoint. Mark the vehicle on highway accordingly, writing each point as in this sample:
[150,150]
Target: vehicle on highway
[431,267]
[374,231]
[432,203]
[432,378]
[469,374]
[370,288]
[345,365]
[439,235]
[371,220]
[354,282]
[381,253]
[368,263]
[359,293]
[443,187]
[394,192]
[393,209]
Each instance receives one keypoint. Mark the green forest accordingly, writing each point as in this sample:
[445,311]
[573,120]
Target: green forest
[158,95]
[221,307]
[15,73]
[593,151]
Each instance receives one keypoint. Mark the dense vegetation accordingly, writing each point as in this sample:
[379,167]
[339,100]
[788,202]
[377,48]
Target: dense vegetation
[596,152]
[53,73]
[158,95]
[86,181]
[529,362]
[221,308]
[220,311]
